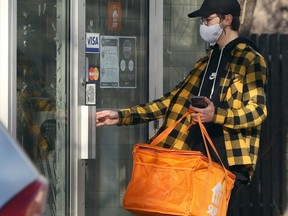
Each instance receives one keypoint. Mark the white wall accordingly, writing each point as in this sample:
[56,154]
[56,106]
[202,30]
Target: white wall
[4,60]
[8,64]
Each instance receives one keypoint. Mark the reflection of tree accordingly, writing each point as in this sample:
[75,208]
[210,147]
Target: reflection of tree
[280,16]
[248,8]
[271,16]
[268,16]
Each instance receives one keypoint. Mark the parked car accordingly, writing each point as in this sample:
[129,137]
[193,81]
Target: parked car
[23,190]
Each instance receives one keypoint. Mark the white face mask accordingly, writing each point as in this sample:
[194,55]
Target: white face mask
[210,34]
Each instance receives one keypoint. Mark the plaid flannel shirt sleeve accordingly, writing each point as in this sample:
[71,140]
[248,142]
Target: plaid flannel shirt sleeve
[155,109]
[251,111]
[149,111]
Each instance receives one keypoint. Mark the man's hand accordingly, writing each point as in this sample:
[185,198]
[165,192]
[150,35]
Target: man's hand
[206,114]
[107,117]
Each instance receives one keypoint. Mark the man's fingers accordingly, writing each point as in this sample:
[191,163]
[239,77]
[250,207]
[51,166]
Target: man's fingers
[106,117]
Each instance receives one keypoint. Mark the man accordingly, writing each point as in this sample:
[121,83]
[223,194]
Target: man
[232,77]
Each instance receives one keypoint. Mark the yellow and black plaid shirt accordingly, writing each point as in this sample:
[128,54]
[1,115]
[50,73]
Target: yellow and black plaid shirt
[243,109]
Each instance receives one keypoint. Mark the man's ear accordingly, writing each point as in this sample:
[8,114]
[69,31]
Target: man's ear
[228,19]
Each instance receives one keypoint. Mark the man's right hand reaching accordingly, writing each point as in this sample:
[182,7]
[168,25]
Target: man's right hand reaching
[107,117]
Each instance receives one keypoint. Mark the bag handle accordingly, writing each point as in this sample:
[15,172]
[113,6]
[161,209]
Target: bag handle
[203,130]
[206,136]
[168,130]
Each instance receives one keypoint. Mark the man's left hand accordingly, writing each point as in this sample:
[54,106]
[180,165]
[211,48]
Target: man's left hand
[206,114]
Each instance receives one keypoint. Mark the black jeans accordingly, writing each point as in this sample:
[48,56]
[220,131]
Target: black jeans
[235,197]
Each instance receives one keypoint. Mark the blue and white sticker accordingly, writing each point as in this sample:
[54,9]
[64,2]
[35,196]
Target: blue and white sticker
[92,42]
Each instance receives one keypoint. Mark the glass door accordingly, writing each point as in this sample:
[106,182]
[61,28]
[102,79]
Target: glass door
[182,45]
[117,66]
[42,96]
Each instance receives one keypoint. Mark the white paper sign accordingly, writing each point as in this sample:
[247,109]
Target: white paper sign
[118,62]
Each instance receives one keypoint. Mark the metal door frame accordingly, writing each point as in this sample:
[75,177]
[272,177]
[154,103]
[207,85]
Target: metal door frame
[78,112]
[77,64]
[155,55]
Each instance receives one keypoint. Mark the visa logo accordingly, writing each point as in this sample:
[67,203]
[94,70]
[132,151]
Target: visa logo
[93,41]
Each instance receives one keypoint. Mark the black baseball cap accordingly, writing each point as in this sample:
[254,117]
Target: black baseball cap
[217,6]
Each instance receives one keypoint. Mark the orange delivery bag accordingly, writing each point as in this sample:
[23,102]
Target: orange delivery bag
[177,182]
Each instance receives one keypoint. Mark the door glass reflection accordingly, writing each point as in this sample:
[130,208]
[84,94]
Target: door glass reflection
[42,93]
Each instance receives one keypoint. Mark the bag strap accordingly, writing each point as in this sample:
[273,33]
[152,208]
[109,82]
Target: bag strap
[206,136]
[168,130]
[203,130]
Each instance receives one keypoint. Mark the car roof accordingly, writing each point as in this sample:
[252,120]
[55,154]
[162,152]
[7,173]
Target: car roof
[16,169]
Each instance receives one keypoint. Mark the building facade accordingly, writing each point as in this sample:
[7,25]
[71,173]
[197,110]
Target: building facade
[64,59]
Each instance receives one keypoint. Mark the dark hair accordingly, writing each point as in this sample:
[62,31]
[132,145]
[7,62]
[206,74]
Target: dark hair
[235,25]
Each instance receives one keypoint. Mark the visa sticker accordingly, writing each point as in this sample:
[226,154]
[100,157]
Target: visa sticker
[92,42]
